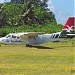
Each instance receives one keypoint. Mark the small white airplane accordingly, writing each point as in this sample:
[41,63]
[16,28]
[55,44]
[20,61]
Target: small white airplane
[30,38]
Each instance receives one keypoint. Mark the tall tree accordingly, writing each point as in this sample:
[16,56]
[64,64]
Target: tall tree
[2,16]
[36,11]
[17,1]
[27,13]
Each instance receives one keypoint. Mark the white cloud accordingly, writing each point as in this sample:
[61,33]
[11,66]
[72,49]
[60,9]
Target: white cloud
[50,5]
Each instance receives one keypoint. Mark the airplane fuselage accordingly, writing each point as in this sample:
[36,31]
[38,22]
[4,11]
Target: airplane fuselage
[39,39]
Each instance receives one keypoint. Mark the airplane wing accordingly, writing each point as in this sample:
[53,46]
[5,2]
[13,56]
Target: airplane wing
[30,34]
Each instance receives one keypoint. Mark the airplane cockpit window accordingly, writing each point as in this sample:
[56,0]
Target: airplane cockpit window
[7,36]
[13,36]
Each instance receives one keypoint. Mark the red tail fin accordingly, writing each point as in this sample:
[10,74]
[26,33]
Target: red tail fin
[70,24]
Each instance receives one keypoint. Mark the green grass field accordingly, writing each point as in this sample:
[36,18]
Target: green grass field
[47,59]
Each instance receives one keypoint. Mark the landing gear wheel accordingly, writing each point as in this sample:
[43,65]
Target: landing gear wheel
[27,45]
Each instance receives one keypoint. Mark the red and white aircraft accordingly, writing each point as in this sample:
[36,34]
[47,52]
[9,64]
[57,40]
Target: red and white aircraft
[30,38]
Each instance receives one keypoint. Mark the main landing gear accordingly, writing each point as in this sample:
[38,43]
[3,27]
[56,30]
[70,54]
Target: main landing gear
[27,45]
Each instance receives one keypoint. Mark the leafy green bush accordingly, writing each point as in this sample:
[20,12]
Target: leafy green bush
[48,28]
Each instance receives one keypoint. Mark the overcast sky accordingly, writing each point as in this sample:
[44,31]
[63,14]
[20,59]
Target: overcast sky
[61,8]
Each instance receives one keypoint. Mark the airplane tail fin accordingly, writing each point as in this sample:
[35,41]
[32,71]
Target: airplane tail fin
[70,24]
[69,27]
